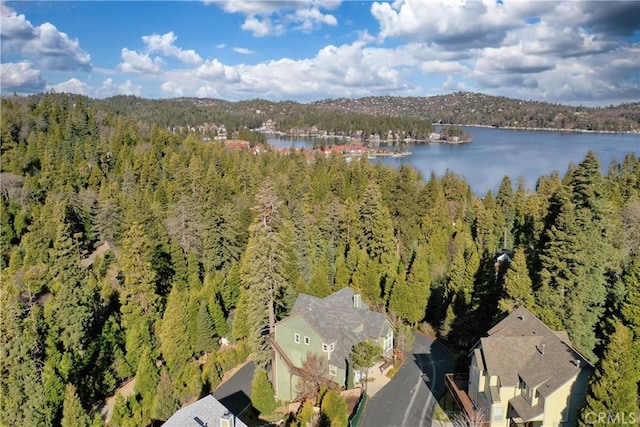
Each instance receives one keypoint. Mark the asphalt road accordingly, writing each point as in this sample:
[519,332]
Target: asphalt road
[409,398]
[235,393]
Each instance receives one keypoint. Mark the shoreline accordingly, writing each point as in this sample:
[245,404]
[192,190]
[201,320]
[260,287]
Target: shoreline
[535,129]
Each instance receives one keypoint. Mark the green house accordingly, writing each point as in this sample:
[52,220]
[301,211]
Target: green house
[328,326]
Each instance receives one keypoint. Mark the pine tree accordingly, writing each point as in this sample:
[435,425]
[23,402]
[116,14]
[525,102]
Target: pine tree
[73,414]
[576,258]
[262,272]
[517,285]
[165,403]
[173,331]
[631,307]
[138,297]
[205,339]
[217,315]
[506,202]
[319,285]
[401,301]
[262,393]
[147,378]
[612,390]
[376,238]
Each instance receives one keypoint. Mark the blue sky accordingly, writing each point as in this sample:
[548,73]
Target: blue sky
[574,52]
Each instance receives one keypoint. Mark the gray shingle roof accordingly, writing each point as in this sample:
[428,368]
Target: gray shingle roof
[338,321]
[205,412]
[521,346]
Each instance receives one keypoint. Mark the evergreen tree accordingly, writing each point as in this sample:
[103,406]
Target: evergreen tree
[217,315]
[205,339]
[147,378]
[262,393]
[401,301]
[506,203]
[173,331]
[364,355]
[73,414]
[612,390]
[122,414]
[419,282]
[576,259]
[262,273]
[631,307]
[334,409]
[138,297]
[517,285]
[305,414]
[164,403]
[376,238]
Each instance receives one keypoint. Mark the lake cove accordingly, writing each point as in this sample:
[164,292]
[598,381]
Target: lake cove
[495,153]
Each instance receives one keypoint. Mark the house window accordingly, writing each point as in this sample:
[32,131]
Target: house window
[332,347]
[307,340]
[497,414]
[296,338]
[333,370]
[325,347]
[388,342]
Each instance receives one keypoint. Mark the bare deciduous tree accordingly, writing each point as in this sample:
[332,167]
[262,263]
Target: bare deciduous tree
[477,419]
[313,376]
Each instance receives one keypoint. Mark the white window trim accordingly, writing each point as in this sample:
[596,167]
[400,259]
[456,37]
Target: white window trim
[296,338]
[307,340]
[333,370]
[332,346]
[325,347]
[497,414]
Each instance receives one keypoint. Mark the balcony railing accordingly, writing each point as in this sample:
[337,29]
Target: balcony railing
[458,386]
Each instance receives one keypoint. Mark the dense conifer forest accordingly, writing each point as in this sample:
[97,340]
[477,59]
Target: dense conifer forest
[128,250]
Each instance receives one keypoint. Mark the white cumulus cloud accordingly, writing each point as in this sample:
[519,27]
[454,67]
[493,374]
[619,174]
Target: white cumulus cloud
[268,18]
[43,44]
[165,45]
[172,88]
[72,85]
[110,88]
[134,62]
[20,77]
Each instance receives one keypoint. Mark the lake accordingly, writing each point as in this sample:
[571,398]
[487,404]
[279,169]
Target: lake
[495,153]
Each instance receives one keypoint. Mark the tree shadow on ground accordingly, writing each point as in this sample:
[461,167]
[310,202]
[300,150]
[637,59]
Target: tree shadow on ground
[434,364]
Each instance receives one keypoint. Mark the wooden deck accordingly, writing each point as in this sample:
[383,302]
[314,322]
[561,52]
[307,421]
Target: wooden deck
[457,385]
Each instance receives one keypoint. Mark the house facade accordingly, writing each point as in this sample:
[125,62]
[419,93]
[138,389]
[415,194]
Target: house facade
[329,327]
[524,374]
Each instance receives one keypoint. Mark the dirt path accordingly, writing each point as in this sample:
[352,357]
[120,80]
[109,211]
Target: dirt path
[106,409]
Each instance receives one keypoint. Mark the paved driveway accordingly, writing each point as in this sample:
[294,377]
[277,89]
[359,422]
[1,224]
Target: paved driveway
[409,399]
[235,393]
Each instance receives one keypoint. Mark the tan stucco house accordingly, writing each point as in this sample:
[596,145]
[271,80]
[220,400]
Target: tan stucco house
[523,374]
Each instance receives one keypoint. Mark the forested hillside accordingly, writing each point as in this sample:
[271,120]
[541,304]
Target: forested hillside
[197,242]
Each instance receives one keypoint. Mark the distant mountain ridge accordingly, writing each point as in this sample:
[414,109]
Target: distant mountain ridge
[467,108]
[461,108]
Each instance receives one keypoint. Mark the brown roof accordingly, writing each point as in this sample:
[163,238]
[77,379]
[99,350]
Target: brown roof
[525,411]
[522,347]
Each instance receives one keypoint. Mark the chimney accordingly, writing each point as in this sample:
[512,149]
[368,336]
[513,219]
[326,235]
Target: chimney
[357,300]
[226,420]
